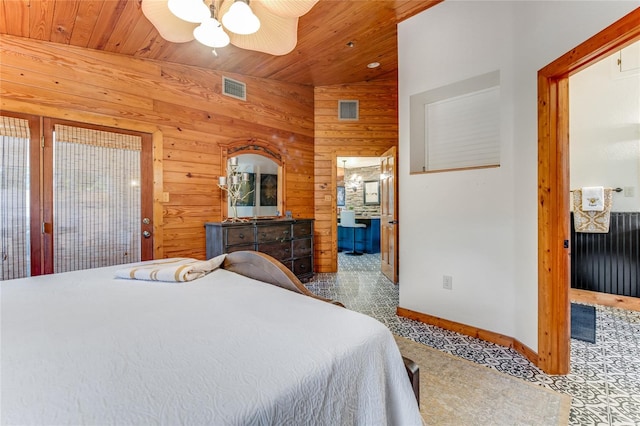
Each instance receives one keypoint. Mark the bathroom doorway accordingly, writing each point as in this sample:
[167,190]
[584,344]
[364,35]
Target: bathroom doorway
[553,182]
[358,195]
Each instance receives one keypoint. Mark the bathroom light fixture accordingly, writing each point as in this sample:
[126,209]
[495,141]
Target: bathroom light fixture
[264,26]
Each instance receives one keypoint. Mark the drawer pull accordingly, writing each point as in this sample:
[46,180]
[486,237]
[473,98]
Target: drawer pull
[241,236]
[303,266]
[285,232]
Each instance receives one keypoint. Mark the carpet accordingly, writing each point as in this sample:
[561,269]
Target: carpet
[583,322]
[454,391]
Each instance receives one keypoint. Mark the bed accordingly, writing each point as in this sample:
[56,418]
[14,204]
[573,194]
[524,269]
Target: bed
[85,347]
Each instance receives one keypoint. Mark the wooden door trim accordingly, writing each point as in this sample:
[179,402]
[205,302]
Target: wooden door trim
[46,197]
[359,152]
[149,188]
[553,187]
[13,106]
[35,182]
[146,196]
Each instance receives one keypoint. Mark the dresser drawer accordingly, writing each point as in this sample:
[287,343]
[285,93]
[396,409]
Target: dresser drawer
[302,229]
[303,266]
[281,251]
[289,241]
[274,233]
[240,247]
[240,235]
[302,248]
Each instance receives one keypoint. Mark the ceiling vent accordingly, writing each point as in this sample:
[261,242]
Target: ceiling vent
[234,88]
[347,110]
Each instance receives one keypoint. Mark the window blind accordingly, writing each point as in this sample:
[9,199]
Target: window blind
[97,200]
[15,256]
[463,131]
[456,126]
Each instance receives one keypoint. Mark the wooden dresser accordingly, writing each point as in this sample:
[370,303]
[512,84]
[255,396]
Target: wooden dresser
[288,240]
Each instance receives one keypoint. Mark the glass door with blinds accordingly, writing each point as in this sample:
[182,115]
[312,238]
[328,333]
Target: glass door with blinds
[93,205]
[19,197]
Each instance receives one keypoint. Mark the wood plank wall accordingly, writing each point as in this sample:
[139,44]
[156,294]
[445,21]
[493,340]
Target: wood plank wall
[370,136]
[184,104]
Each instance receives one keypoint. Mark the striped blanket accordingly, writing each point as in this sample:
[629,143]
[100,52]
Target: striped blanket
[178,269]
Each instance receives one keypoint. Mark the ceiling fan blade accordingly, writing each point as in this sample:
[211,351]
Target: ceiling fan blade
[170,27]
[277,35]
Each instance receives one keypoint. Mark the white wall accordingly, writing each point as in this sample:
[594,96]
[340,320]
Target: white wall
[480,226]
[605,130]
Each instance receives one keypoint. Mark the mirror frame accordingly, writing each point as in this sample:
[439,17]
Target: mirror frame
[257,147]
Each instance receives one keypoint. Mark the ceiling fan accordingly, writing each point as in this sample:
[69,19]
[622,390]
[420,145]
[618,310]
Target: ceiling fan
[269,26]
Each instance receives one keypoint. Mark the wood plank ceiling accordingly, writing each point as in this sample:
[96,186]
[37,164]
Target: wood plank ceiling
[322,56]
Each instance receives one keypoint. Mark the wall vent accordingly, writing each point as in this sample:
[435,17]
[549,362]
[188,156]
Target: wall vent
[347,110]
[234,88]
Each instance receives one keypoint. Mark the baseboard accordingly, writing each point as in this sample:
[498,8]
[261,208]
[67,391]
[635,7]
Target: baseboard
[605,299]
[468,330]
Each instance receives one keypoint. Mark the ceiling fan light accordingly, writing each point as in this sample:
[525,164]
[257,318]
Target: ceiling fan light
[189,10]
[240,19]
[210,33]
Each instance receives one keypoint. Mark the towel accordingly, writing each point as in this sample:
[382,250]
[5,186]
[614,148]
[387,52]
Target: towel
[592,199]
[596,222]
[177,269]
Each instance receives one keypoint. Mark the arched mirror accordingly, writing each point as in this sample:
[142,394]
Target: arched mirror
[253,185]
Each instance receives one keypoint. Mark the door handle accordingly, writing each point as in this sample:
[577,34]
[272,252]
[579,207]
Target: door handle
[393,222]
[146,234]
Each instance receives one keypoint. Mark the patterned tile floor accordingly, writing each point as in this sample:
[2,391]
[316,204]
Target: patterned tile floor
[604,382]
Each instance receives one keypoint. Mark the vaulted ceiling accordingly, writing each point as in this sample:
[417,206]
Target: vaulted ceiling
[322,56]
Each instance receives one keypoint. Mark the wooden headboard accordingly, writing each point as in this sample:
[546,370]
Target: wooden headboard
[263,267]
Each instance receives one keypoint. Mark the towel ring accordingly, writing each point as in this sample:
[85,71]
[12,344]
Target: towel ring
[613,189]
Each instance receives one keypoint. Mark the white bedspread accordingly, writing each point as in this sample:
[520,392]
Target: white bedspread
[86,348]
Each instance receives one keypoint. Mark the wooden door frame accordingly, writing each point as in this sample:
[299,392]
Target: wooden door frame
[35,183]
[553,187]
[334,184]
[146,184]
[121,123]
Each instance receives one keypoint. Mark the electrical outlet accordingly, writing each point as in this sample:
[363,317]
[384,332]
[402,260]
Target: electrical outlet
[447,282]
